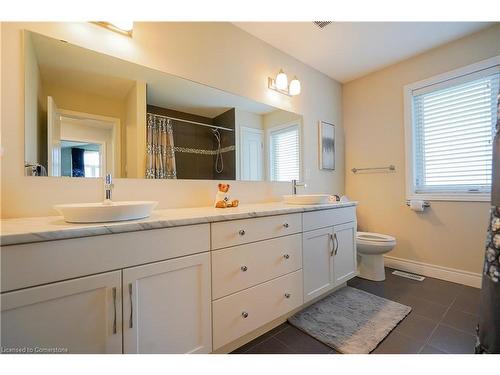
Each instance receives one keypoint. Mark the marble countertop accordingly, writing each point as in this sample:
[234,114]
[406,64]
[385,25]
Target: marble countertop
[49,228]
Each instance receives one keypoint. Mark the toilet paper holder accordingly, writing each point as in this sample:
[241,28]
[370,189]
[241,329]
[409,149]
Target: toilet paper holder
[426,203]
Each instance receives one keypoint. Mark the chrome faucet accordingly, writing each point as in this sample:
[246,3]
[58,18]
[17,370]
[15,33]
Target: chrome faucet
[295,183]
[108,186]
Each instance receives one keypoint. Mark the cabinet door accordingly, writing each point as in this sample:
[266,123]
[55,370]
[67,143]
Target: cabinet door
[166,306]
[344,261]
[76,316]
[317,250]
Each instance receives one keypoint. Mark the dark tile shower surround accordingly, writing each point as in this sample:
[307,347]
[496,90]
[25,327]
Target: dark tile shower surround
[442,321]
[197,166]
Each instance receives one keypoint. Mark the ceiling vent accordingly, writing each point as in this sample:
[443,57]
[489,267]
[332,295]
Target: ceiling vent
[322,24]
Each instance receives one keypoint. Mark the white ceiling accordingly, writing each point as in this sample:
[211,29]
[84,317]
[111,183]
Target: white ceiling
[348,50]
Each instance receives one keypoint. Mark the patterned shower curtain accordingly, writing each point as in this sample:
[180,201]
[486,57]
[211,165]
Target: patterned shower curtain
[160,155]
[489,316]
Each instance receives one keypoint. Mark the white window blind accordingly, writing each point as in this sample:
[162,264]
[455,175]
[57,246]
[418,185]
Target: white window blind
[453,129]
[284,153]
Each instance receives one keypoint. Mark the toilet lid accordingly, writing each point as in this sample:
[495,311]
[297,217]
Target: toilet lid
[374,237]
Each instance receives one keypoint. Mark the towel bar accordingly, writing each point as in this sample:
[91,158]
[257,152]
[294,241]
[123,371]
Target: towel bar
[390,168]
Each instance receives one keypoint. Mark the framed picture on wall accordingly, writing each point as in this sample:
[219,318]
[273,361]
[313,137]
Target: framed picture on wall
[326,146]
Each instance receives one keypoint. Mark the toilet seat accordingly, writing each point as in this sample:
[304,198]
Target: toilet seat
[368,237]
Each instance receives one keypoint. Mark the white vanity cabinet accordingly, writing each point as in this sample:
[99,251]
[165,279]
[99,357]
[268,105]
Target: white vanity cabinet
[169,301]
[83,315]
[329,253]
[345,256]
[318,252]
[259,279]
[194,288]
[167,306]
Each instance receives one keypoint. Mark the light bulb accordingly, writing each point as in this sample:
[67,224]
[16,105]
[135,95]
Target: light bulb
[281,81]
[294,87]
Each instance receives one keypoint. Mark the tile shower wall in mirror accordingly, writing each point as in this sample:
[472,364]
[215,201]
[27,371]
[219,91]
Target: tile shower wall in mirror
[88,114]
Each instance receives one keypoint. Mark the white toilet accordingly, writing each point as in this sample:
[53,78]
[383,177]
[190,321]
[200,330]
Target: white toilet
[371,249]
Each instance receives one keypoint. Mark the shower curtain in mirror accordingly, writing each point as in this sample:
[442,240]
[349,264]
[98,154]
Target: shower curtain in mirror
[489,316]
[160,155]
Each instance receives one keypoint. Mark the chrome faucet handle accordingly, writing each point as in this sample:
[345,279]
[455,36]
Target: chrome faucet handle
[296,183]
[108,179]
[108,186]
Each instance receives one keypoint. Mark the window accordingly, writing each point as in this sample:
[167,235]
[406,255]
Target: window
[92,163]
[452,123]
[284,150]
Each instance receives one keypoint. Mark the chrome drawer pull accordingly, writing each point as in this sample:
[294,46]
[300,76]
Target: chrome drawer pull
[131,318]
[336,243]
[114,310]
[331,242]
[241,232]
[244,268]
[287,295]
[286,225]
[286,256]
[244,314]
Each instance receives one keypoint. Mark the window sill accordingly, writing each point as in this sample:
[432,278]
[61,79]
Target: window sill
[464,197]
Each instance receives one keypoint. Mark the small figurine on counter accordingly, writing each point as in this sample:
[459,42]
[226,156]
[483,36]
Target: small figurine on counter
[334,198]
[222,199]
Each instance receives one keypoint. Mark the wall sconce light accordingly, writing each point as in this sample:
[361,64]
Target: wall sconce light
[121,27]
[280,84]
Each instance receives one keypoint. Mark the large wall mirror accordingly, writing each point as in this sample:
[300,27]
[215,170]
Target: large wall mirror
[88,114]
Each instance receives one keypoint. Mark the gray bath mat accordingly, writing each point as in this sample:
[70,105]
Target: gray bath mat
[350,320]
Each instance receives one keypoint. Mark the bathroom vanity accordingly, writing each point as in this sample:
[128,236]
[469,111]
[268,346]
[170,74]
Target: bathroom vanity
[183,281]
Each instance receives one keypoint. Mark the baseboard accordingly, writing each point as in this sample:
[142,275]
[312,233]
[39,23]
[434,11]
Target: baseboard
[438,272]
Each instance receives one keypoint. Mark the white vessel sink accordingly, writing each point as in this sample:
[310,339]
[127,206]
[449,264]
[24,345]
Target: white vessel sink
[307,199]
[105,211]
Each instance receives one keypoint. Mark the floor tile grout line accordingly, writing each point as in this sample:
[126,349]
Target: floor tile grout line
[283,343]
[261,342]
[293,350]
[457,329]
[427,342]
[402,290]
[266,339]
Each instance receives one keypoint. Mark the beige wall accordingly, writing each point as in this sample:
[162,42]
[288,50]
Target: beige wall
[232,60]
[135,127]
[34,108]
[450,234]
[68,98]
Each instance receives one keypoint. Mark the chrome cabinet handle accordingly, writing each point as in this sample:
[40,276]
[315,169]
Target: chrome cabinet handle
[244,268]
[287,295]
[286,256]
[285,225]
[244,314]
[336,240]
[114,311]
[241,232]
[331,244]
[131,319]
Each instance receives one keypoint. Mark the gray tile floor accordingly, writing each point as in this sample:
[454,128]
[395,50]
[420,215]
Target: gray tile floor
[443,320]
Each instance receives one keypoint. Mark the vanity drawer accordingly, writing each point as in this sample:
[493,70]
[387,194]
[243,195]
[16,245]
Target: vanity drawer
[326,218]
[46,262]
[243,266]
[237,232]
[243,312]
